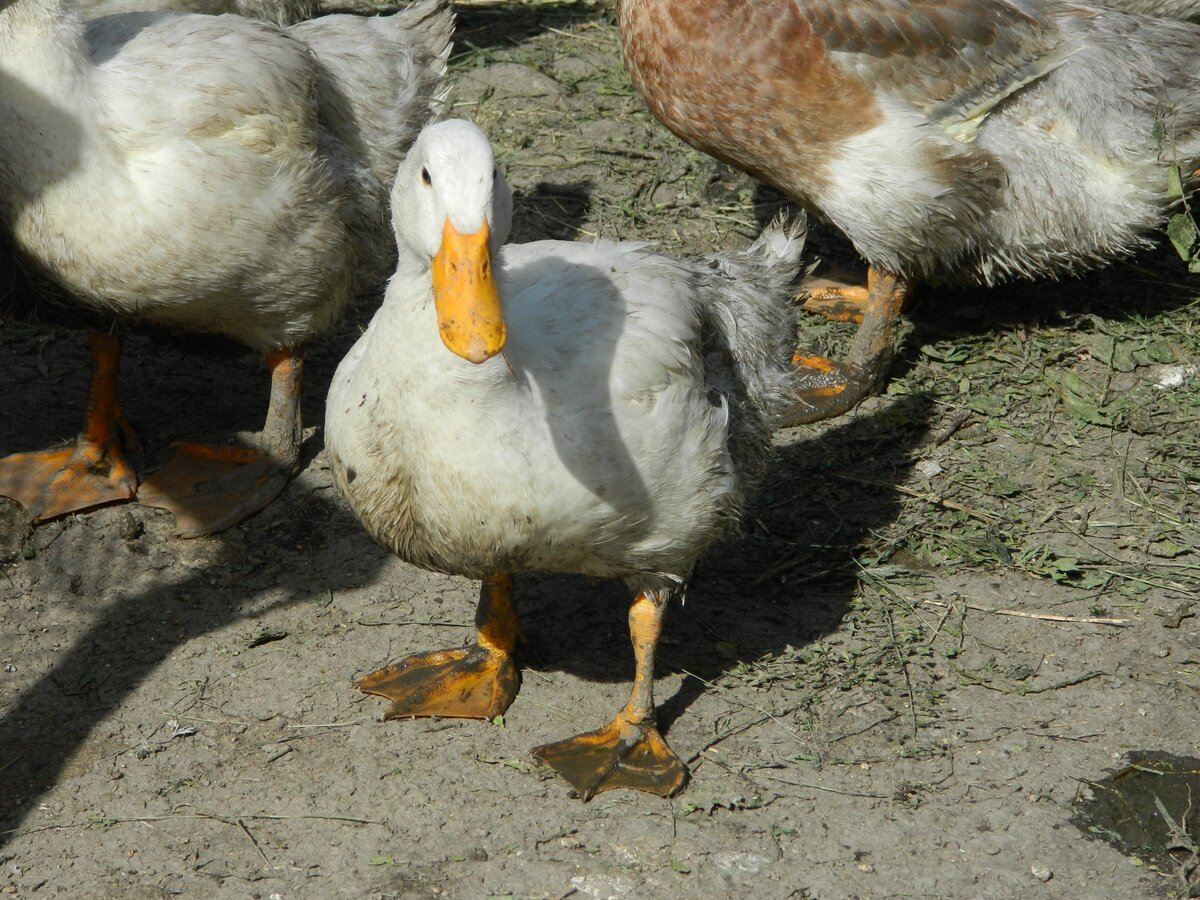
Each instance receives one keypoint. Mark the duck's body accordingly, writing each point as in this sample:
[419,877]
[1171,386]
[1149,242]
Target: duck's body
[209,174]
[616,434]
[951,140]
[597,444]
[217,174]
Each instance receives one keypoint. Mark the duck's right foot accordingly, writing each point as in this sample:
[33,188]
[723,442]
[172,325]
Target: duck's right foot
[57,482]
[209,489]
[471,683]
[826,389]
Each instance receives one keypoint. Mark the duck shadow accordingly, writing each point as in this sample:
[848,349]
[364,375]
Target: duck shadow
[490,26]
[304,544]
[786,580]
[1152,283]
[549,211]
[49,722]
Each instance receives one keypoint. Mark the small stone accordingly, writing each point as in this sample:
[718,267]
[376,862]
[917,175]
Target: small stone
[1040,872]
[131,527]
[929,468]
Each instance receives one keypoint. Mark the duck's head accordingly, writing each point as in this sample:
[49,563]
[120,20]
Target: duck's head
[452,207]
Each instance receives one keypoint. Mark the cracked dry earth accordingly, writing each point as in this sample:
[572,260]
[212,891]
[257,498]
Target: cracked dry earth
[952,613]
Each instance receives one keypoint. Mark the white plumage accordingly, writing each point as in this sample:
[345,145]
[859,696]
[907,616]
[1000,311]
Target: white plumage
[604,410]
[610,437]
[209,174]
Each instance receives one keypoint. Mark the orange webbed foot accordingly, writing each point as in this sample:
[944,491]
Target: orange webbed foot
[57,482]
[826,388]
[96,470]
[622,754]
[833,300]
[471,683]
[209,489]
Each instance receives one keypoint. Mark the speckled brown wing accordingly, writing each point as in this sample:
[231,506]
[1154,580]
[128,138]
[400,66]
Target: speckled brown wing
[951,59]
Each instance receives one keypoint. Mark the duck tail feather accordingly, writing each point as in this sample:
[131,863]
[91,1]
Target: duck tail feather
[750,320]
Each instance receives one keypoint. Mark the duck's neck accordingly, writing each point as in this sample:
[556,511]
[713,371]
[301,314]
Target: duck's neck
[407,316]
[46,105]
[405,334]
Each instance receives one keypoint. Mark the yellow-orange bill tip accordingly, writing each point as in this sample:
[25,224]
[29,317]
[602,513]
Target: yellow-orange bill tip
[470,320]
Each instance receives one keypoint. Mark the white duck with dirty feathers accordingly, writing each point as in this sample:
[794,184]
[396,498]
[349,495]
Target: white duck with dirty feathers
[206,174]
[586,408]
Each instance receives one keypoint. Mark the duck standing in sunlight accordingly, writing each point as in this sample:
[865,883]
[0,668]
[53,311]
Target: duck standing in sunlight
[555,407]
[207,174]
[951,140]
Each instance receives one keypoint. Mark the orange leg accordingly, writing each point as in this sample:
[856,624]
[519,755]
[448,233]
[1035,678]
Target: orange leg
[628,752]
[92,473]
[209,489]
[828,388]
[477,682]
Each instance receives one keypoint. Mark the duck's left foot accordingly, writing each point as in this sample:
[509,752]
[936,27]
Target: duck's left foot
[827,388]
[622,754]
[57,482]
[209,489]
[96,471]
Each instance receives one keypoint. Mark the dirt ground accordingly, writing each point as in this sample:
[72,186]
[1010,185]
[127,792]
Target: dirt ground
[951,613]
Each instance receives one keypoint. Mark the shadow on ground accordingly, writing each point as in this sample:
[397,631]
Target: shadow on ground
[489,26]
[786,581]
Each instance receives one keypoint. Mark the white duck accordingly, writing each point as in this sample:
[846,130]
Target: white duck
[281,12]
[596,409]
[206,174]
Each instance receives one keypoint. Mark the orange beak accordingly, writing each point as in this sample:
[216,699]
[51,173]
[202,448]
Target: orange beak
[470,320]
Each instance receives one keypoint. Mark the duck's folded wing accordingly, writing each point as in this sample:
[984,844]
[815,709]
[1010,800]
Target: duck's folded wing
[161,77]
[953,60]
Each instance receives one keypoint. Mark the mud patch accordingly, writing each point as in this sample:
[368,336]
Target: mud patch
[1149,809]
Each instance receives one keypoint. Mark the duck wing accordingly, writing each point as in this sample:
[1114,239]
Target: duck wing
[953,60]
[162,76]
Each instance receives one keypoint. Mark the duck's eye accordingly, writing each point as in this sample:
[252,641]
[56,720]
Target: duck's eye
[425,177]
